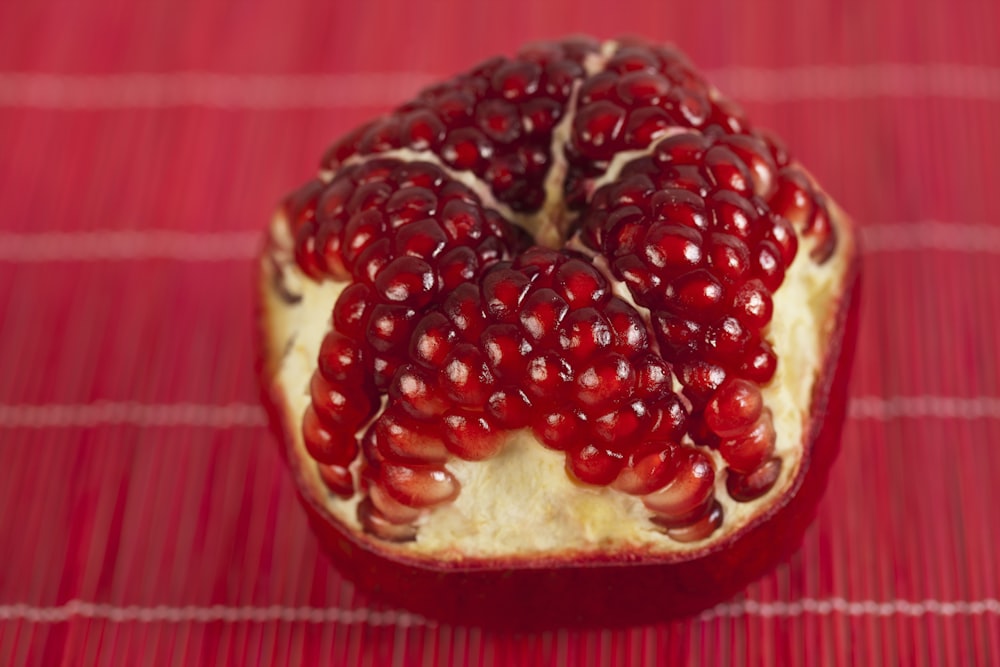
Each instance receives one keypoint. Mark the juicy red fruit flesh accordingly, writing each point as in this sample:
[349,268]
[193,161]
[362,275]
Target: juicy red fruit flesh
[465,331]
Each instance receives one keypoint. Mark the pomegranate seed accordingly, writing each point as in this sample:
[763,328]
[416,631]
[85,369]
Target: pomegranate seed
[362,230]
[337,479]
[653,377]
[462,307]
[328,249]
[352,309]
[678,335]
[423,239]
[340,360]
[401,438]
[407,280]
[760,365]
[456,267]
[499,120]
[734,408]
[668,419]
[728,257]
[470,436]
[419,486]
[622,233]
[645,125]
[502,292]
[733,214]
[755,154]
[505,349]
[515,81]
[794,198]
[726,340]
[580,284]
[306,252]
[629,334]
[642,282]
[696,293]
[372,260]
[467,379]
[407,205]
[375,523]
[766,265]
[680,207]
[509,408]
[335,408]
[389,327]
[540,116]
[432,339]
[821,228]
[673,249]
[752,304]
[466,148]
[689,489]
[727,171]
[605,382]
[750,486]
[596,129]
[546,375]
[558,429]
[641,87]
[625,424]
[648,468]
[541,314]
[391,510]
[421,130]
[750,447]
[382,136]
[700,529]
[583,334]
[414,392]
[595,464]
[327,445]
[701,378]
[782,235]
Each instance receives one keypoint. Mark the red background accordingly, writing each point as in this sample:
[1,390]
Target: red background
[145,516]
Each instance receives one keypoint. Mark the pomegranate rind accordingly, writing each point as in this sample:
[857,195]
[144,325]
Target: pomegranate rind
[572,587]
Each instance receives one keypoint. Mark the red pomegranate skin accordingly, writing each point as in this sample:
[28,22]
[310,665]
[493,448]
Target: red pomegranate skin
[569,589]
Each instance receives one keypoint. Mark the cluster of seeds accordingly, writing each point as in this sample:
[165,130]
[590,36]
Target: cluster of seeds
[496,120]
[406,235]
[456,330]
[688,229]
[642,93]
[539,343]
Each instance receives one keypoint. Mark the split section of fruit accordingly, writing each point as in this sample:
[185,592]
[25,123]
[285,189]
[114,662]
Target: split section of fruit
[639,350]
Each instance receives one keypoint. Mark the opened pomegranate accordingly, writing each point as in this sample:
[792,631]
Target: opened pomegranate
[564,338]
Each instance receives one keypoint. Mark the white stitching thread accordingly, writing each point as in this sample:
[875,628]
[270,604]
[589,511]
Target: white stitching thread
[825,607]
[940,407]
[125,245]
[209,614]
[133,414]
[207,89]
[972,238]
[130,245]
[886,80]
[278,613]
[379,89]
[101,413]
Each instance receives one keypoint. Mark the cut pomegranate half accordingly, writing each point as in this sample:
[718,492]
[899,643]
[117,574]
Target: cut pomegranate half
[564,339]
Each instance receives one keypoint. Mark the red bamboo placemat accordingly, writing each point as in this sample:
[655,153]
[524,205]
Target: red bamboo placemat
[145,515]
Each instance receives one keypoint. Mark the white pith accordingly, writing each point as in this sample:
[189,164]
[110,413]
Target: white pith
[522,501]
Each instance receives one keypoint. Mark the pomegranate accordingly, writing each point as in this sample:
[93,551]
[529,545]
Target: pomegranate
[562,332]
